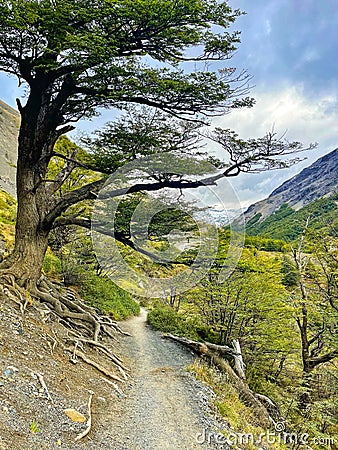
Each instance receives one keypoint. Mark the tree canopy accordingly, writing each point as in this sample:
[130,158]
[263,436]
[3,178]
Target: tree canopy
[82,54]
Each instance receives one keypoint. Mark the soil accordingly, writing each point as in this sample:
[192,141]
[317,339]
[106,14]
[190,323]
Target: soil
[160,406]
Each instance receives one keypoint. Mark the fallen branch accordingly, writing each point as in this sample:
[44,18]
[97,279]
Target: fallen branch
[245,393]
[202,347]
[215,353]
[238,359]
[89,421]
[207,348]
[271,407]
[44,386]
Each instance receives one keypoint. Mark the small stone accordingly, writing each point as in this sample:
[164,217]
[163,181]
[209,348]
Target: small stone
[74,415]
[101,399]
[10,371]
[1,383]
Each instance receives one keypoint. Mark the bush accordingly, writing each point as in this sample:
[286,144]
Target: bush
[107,297]
[167,320]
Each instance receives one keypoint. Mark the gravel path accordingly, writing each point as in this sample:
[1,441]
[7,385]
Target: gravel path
[164,407]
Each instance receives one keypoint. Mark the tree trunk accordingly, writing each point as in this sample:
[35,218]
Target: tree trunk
[238,359]
[31,240]
[31,232]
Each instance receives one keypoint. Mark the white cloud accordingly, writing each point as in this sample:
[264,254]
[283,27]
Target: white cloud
[288,110]
[268,27]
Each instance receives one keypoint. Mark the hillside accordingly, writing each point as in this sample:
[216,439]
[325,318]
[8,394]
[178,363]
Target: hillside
[9,123]
[314,182]
[287,224]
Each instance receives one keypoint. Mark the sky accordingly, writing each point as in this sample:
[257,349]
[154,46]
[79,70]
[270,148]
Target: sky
[290,47]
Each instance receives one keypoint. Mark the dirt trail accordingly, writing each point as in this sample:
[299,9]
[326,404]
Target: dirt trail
[164,407]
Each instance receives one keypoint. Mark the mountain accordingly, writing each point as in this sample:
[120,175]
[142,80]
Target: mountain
[9,128]
[314,182]
[287,224]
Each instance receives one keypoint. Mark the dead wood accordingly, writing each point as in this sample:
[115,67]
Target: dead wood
[89,421]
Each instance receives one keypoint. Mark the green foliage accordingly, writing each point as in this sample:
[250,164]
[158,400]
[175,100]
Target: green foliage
[7,208]
[65,148]
[166,319]
[266,244]
[141,133]
[7,222]
[291,276]
[165,217]
[107,297]
[100,53]
[52,265]
[288,224]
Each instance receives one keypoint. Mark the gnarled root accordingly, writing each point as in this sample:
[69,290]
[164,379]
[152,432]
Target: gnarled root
[73,314]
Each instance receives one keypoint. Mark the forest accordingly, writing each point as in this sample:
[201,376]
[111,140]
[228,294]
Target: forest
[105,216]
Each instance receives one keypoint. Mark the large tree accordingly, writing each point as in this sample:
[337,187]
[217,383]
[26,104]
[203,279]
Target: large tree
[316,301]
[74,57]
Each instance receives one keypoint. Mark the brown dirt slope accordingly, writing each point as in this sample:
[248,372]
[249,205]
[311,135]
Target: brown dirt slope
[28,419]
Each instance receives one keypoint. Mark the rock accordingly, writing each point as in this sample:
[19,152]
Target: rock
[314,182]
[10,371]
[75,416]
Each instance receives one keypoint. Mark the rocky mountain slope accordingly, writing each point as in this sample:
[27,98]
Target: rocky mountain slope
[316,181]
[9,127]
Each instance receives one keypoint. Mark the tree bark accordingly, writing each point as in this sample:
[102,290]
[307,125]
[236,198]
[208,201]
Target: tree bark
[31,235]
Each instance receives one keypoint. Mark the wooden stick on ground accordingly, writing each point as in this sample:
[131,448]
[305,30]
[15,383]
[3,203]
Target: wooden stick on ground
[89,421]
[43,384]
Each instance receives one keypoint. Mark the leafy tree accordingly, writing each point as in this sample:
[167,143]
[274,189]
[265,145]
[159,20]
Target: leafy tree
[316,302]
[290,274]
[76,56]
[251,305]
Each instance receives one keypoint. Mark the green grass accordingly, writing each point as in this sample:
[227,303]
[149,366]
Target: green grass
[7,208]
[107,297]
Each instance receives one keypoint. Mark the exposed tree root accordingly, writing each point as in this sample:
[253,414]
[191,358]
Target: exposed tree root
[97,366]
[114,385]
[89,421]
[82,321]
[115,359]
[44,386]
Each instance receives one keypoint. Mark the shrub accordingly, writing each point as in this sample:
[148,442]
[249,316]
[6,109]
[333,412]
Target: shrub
[107,297]
[52,265]
[167,320]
